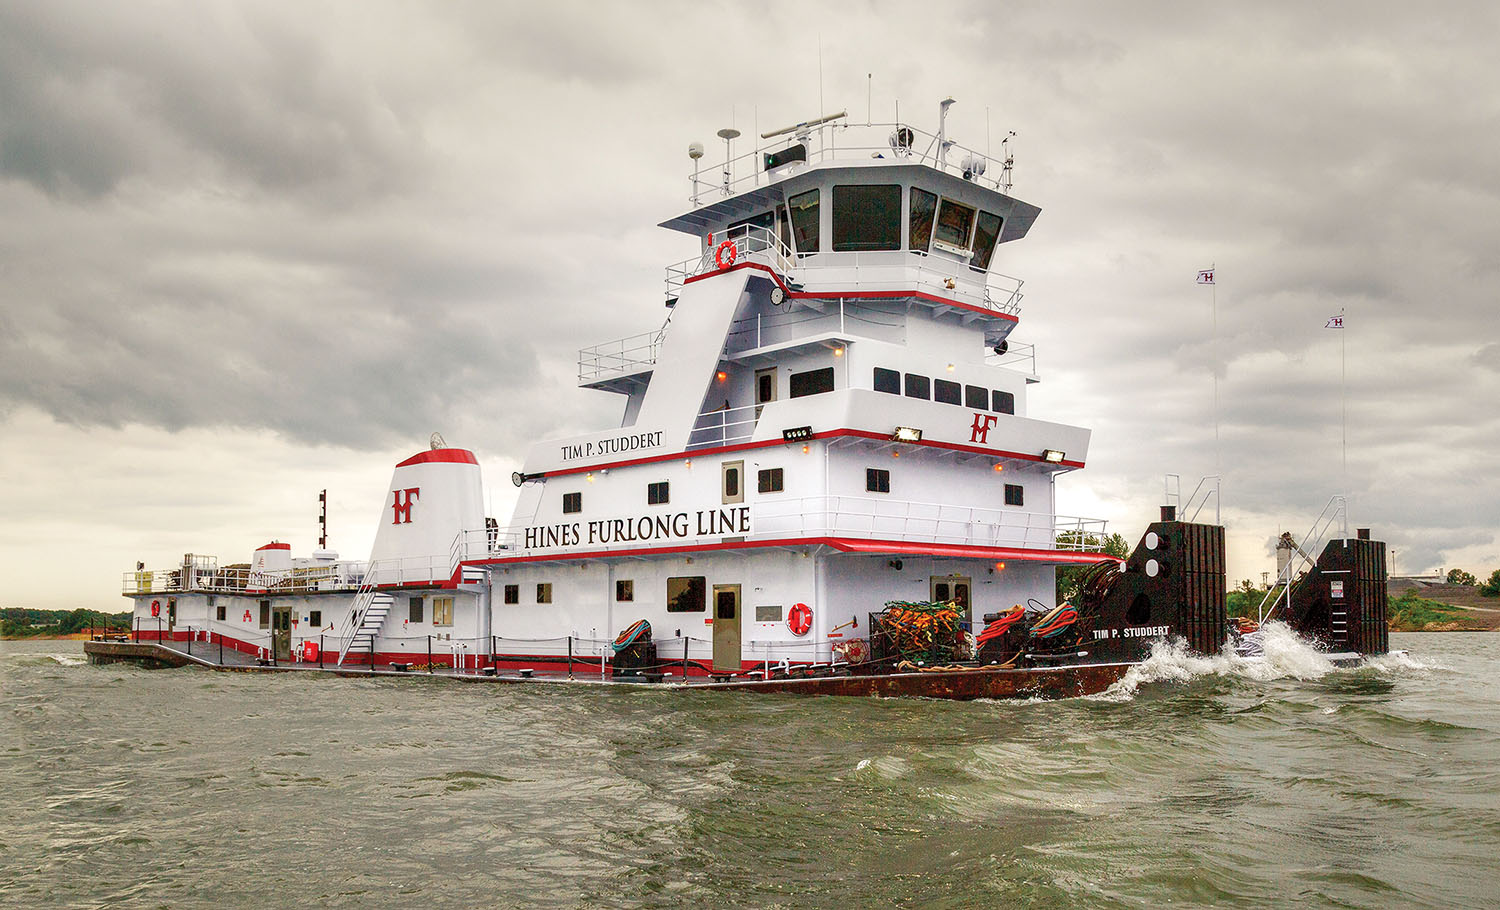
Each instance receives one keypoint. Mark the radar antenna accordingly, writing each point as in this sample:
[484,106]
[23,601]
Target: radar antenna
[804,127]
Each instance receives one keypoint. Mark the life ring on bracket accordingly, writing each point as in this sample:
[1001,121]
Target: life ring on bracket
[725,255]
[799,620]
[155,608]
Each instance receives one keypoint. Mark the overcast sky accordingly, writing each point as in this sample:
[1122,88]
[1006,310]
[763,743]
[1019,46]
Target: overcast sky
[250,251]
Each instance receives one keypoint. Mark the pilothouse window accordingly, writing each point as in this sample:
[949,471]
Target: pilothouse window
[804,209]
[986,235]
[866,218]
[955,223]
[923,205]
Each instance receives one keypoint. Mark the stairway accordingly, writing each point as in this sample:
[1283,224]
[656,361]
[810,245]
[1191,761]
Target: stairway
[367,618]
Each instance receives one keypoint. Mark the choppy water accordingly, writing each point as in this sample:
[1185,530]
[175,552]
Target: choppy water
[1197,783]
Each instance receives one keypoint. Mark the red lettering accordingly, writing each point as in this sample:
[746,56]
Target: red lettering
[402,504]
[981,428]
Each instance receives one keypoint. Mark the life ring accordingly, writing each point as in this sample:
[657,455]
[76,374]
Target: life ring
[309,651]
[155,608]
[799,620]
[724,255]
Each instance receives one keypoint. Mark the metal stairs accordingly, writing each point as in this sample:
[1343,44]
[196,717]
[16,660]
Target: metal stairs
[366,619]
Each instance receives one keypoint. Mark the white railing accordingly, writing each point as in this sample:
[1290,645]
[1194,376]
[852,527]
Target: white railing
[751,243]
[1018,356]
[1304,556]
[723,427]
[339,576]
[1207,488]
[620,357]
[846,516]
[841,141]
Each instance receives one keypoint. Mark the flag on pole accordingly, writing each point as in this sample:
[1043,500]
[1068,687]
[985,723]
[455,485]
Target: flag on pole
[1335,322]
[1206,276]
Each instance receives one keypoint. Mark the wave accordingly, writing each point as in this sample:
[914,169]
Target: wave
[1285,655]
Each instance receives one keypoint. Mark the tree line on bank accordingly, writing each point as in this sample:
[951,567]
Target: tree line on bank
[21,622]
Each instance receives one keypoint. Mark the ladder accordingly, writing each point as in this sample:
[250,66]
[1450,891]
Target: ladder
[366,618]
[1338,624]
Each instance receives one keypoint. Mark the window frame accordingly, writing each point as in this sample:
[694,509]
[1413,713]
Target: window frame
[811,215]
[961,249]
[984,252]
[1015,495]
[954,391]
[858,215]
[881,373]
[770,480]
[691,581]
[926,386]
[999,396]
[511,594]
[442,611]
[315,618]
[624,590]
[414,610]
[572,503]
[877,480]
[912,223]
[659,493]
[544,592]
[979,393]
[807,376]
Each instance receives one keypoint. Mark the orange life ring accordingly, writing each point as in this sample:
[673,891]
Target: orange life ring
[724,255]
[799,620]
[155,608]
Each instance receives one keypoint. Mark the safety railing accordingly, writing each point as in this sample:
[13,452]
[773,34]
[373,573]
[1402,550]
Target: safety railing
[1018,356]
[833,516]
[751,244]
[1207,489]
[1303,555]
[341,576]
[620,357]
[722,427]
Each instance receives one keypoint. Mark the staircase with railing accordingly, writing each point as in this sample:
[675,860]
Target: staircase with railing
[1299,560]
[365,618]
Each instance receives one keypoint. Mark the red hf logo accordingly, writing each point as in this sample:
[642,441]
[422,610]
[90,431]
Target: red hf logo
[401,504]
[981,428]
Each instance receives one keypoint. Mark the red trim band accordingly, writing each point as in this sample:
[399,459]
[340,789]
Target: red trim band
[834,295]
[827,434]
[441,456]
[274,546]
[842,544]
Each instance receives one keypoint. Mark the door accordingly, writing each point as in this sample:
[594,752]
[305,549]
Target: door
[727,627]
[765,388]
[955,588]
[281,632]
[171,615]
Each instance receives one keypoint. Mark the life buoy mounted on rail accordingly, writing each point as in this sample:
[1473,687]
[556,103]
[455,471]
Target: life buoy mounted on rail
[155,608]
[799,620]
[724,256]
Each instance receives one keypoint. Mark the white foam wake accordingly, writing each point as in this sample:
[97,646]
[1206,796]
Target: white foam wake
[1284,654]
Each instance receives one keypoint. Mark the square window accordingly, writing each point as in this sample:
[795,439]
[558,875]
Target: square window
[624,590]
[812,382]
[414,609]
[687,595]
[265,614]
[888,381]
[315,619]
[1004,402]
[512,594]
[220,614]
[572,502]
[946,392]
[977,397]
[442,611]
[866,218]
[769,480]
[544,592]
[657,493]
[918,386]
[1015,494]
[877,480]
[768,613]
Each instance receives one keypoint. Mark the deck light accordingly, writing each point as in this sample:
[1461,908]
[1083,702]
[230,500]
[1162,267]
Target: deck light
[589,477]
[950,367]
[806,448]
[906,434]
[796,434]
[1052,456]
[999,467]
[838,352]
[721,375]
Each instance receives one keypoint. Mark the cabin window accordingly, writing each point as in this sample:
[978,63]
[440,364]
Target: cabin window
[888,381]
[657,494]
[732,473]
[544,592]
[265,614]
[1015,494]
[769,481]
[923,206]
[414,609]
[572,502]
[955,223]
[813,382]
[804,209]
[918,386]
[866,218]
[687,595]
[512,594]
[442,611]
[977,397]
[986,235]
[1004,402]
[877,480]
[946,392]
[768,613]
[315,619]
[625,590]
[765,386]
[221,613]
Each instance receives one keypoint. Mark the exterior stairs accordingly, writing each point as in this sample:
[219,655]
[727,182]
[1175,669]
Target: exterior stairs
[367,618]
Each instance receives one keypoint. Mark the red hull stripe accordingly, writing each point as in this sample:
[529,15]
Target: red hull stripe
[842,544]
[441,456]
[827,434]
[833,295]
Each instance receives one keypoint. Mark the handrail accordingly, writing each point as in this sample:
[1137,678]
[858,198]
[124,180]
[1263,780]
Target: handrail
[1313,542]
